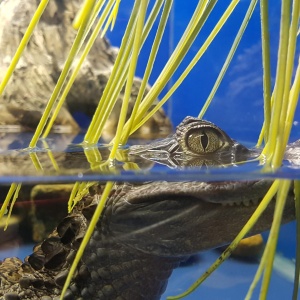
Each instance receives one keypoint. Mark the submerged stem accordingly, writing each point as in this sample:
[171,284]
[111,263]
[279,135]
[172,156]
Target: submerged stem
[273,237]
[247,227]
[87,236]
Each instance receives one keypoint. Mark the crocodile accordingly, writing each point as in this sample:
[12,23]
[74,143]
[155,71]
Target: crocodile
[147,229]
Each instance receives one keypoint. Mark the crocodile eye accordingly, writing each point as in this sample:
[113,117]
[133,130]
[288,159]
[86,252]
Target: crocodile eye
[199,137]
[206,140]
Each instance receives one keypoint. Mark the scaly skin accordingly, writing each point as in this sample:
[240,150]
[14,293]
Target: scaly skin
[145,231]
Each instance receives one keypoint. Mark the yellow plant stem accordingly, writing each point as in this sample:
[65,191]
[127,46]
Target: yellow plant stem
[142,7]
[196,23]
[247,227]
[115,13]
[99,118]
[79,17]
[283,132]
[82,14]
[269,252]
[196,58]
[262,135]
[82,191]
[93,156]
[15,197]
[274,138]
[290,96]
[51,156]
[292,105]
[112,18]
[230,54]
[273,237]
[131,73]
[265,39]
[36,162]
[72,196]
[118,76]
[77,68]
[13,188]
[193,28]
[88,235]
[62,76]
[149,67]
[35,19]
[283,104]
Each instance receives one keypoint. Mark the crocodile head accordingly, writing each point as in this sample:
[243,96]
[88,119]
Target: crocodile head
[179,218]
[196,143]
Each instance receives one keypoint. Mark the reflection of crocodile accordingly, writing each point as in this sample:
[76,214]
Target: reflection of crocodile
[146,229]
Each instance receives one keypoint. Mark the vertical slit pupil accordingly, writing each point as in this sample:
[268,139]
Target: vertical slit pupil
[204,140]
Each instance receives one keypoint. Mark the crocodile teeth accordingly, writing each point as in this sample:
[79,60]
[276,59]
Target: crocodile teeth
[245,203]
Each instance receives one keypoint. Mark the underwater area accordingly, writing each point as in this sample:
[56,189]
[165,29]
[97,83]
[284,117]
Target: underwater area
[49,170]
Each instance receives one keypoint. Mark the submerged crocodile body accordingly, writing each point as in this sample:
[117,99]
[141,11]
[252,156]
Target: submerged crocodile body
[146,229]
